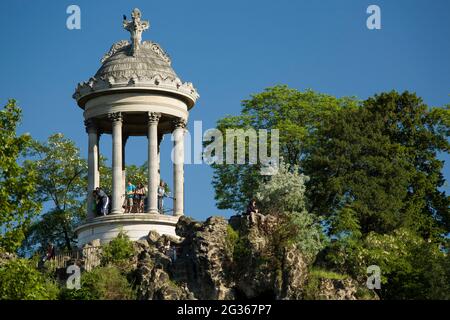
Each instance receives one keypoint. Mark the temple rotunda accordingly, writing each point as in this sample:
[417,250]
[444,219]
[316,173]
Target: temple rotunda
[134,93]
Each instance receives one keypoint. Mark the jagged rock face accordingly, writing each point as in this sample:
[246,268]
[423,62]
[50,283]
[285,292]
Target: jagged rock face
[337,289]
[271,272]
[151,273]
[209,264]
[204,258]
[200,269]
[294,274]
[154,279]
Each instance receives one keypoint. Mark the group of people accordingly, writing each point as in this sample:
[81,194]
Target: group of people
[135,199]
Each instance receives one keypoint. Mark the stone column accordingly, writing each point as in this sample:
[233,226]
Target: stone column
[153,119]
[178,166]
[93,175]
[160,138]
[124,171]
[97,168]
[116,119]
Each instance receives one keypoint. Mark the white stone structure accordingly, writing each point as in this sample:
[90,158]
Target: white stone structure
[134,93]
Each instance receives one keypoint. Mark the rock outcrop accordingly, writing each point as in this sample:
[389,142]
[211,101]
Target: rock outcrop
[331,289]
[265,269]
[220,259]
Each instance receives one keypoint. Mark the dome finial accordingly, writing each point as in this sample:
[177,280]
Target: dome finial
[135,27]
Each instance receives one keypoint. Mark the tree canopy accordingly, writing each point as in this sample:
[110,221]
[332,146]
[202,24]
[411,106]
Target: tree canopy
[295,114]
[360,183]
[17,184]
[379,162]
[375,179]
[62,185]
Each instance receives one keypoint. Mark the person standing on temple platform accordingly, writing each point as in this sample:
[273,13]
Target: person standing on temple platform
[103,201]
[161,195]
[140,195]
[129,197]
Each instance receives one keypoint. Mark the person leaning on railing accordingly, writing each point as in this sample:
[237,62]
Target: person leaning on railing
[161,194]
[103,201]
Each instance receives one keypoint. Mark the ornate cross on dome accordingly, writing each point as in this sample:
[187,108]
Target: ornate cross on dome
[135,27]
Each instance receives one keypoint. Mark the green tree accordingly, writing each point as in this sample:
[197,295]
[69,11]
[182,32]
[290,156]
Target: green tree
[20,280]
[375,176]
[379,163]
[102,283]
[118,251]
[105,175]
[136,174]
[296,114]
[284,195]
[411,268]
[423,133]
[17,185]
[62,185]
[139,174]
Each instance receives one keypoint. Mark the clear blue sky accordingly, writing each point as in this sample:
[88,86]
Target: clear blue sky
[228,49]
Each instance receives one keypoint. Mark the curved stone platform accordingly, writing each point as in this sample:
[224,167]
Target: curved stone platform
[135,225]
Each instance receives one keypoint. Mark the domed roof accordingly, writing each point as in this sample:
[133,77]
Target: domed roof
[150,60]
[135,65]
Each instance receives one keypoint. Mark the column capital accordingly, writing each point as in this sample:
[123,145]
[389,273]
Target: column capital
[115,116]
[153,117]
[179,123]
[91,125]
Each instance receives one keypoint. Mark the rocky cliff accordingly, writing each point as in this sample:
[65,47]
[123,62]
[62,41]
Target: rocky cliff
[235,259]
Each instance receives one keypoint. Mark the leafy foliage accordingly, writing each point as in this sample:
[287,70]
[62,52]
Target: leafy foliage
[411,268]
[137,174]
[284,195]
[296,114]
[283,192]
[118,251]
[102,283]
[232,238]
[374,185]
[380,162]
[374,178]
[62,182]
[20,280]
[134,173]
[315,275]
[326,274]
[17,184]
